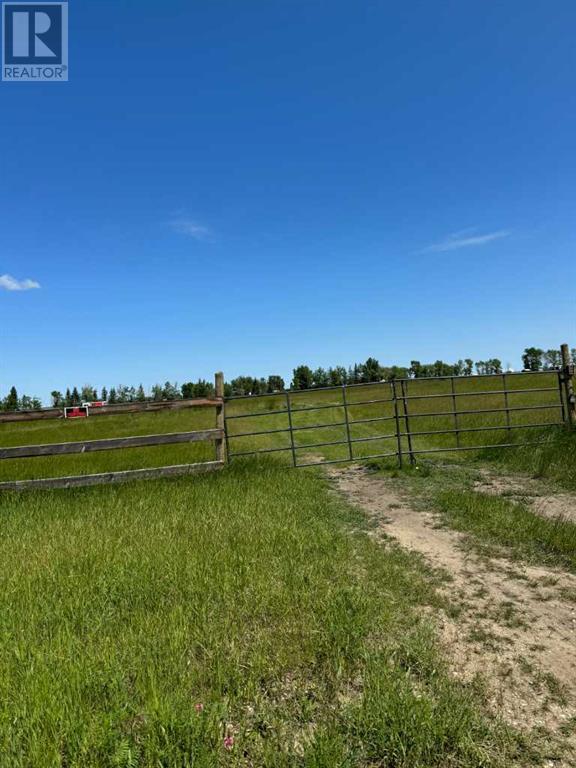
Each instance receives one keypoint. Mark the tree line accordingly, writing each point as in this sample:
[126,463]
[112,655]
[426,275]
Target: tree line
[303,377]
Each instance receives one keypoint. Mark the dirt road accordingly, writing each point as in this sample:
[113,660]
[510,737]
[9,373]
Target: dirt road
[516,627]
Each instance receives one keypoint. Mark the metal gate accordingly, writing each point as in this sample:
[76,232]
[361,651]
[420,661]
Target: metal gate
[400,416]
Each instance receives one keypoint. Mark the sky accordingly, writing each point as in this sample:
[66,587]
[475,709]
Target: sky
[248,186]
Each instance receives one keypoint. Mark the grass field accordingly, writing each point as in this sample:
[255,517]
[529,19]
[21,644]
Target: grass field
[232,619]
[96,428]
[244,618]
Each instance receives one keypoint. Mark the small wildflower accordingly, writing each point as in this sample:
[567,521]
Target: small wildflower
[228,742]
[199,707]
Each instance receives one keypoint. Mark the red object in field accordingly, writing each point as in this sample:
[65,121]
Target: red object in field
[98,404]
[76,412]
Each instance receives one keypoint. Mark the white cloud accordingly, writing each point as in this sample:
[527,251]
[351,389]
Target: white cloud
[189,227]
[10,283]
[465,239]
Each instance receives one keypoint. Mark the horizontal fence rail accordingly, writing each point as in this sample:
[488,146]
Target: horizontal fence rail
[104,478]
[404,401]
[110,444]
[115,409]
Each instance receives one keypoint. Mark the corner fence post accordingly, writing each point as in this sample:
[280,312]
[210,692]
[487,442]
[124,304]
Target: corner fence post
[568,373]
[220,420]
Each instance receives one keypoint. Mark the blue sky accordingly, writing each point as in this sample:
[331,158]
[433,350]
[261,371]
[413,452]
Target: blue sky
[250,186]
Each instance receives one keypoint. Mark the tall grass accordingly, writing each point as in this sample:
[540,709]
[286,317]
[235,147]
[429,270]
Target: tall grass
[553,459]
[232,619]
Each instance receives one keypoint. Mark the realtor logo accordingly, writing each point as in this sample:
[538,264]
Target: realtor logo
[35,42]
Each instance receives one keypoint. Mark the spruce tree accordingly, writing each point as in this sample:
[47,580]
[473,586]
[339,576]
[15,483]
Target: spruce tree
[11,402]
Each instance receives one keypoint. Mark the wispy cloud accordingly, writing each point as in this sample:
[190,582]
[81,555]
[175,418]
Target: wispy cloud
[186,226]
[465,239]
[9,283]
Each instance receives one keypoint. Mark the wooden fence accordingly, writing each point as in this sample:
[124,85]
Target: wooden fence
[215,435]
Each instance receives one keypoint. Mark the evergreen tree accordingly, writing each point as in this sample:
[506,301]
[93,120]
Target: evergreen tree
[11,401]
[104,395]
[204,388]
[140,394]
[370,371]
[187,390]
[112,397]
[355,374]
[68,399]
[75,397]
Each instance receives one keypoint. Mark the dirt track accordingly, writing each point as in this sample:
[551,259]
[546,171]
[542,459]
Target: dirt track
[517,624]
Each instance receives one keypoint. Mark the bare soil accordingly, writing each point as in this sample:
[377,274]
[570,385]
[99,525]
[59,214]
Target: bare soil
[543,499]
[516,627]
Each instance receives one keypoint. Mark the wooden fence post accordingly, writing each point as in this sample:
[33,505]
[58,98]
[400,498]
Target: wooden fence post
[568,373]
[220,424]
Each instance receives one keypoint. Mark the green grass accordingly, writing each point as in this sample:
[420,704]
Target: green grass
[252,592]
[554,459]
[496,521]
[99,427]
